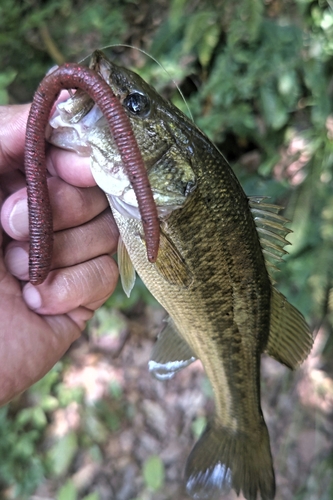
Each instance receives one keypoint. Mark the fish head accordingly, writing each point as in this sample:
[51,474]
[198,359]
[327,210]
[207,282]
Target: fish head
[164,141]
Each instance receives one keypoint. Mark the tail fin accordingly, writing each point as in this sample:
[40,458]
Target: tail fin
[223,459]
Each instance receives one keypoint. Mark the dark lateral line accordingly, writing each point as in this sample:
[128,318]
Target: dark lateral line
[71,76]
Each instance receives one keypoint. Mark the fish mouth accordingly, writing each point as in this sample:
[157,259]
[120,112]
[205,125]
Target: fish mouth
[62,132]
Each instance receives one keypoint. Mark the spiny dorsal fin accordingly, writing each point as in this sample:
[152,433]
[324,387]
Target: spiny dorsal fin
[271,229]
[290,339]
[126,268]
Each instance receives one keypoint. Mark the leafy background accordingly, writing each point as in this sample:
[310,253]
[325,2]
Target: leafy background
[257,77]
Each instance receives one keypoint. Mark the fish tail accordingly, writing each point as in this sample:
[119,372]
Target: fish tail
[223,459]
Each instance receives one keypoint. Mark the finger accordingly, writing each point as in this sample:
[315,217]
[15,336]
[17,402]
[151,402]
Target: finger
[71,246]
[11,182]
[86,242]
[67,289]
[80,316]
[71,167]
[13,121]
[17,260]
[71,206]
[68,165]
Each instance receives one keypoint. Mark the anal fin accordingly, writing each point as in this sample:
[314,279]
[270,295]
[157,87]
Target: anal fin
[170,354]
[290,340]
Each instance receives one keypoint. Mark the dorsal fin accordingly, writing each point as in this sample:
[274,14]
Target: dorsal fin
[271,229]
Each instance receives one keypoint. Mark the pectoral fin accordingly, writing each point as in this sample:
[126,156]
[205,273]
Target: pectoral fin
[290,340]
[171,265]
[126,268]
[170,353]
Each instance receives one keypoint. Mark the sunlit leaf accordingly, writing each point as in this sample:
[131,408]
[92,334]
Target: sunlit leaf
[67,491]
[153,473]
[208,44]
[91,496]
[198,426]
[61,454]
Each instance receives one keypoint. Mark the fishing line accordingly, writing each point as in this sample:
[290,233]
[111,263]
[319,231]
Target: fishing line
[153,59]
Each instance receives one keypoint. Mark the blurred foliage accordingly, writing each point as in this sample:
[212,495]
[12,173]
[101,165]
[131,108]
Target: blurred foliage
[257,79]
[35,35]
[69,492]
[19,465]
[198,426]
[21,430]
[153,473]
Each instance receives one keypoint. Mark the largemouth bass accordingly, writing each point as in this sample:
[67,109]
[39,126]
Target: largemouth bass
[210,275]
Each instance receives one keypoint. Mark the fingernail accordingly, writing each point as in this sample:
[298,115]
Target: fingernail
[32,297]
[18,219]
[17,262]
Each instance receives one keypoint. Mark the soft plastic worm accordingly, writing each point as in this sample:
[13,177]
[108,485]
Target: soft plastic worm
[71,76]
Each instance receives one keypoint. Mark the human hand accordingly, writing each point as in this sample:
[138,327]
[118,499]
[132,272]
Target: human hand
[38,324]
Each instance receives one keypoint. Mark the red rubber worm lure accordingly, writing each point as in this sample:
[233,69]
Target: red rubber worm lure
[71,76]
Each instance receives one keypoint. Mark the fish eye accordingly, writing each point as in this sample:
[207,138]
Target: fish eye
[138,104]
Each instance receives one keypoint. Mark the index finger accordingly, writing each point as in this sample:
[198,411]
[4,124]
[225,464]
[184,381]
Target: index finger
[65,164]
[71,167]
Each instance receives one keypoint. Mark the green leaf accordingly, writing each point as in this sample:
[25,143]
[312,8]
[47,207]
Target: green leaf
[246,21]
[274,110]
[198,426]
[6,79]
[67,491]
[208,44]
[49,403]
[38,417]
[91,496]
[61,455]
[201,31]
[153,473]
[94,427]
[176,11]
